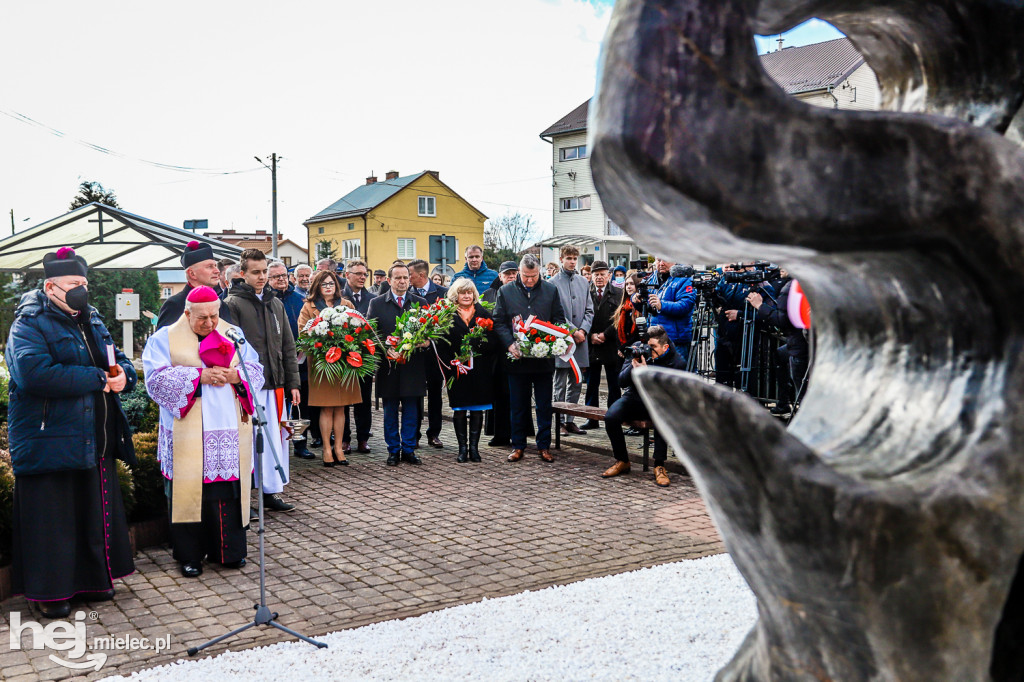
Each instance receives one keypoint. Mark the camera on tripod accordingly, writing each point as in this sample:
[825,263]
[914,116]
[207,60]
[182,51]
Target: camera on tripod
[643,293]
[744,277]
[705,281]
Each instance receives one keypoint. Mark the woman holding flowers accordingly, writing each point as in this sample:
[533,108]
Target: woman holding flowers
[468,357]
[331,395]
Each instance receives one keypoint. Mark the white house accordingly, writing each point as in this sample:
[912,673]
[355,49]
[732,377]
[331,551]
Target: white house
[829,74]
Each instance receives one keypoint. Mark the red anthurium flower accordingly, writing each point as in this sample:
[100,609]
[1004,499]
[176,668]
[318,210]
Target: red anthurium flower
[355,359]
[370,347]
[349,338]
[333,355]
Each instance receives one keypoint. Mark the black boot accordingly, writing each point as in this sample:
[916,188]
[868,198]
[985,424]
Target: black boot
[476,425]
[459,420]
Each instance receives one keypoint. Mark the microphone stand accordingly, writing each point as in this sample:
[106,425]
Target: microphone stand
[264,616]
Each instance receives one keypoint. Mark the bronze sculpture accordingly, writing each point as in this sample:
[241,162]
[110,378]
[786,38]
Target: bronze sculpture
[883,533]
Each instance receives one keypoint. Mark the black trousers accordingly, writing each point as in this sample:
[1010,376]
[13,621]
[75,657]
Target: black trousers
[309,412]
[363,413]
[435,386]
[611,366]
[499,423]
[625,410]
[519,387]
[220,536]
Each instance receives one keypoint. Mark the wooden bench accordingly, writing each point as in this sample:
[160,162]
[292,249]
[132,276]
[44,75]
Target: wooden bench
[559,409]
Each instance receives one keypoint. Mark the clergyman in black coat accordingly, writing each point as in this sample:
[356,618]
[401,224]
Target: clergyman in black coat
[400,385]
[200,270]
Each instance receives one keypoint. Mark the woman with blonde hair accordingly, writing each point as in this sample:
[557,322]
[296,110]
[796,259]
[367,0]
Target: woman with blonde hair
[470,389]
[330,396]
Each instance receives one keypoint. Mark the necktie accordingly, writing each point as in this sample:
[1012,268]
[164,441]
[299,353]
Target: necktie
[400,301]
[356,297]
[423,292]
[600,295]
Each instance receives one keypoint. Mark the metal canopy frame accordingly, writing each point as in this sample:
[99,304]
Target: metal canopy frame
[108,238]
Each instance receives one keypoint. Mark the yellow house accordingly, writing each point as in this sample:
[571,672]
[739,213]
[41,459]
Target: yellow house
[395,219]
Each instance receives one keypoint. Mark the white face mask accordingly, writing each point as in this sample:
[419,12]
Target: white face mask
[619,280]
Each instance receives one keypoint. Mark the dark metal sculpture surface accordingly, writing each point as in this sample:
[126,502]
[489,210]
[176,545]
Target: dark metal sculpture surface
[883,532]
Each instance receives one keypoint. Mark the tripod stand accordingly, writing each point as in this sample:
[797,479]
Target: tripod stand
[701,360]
[264,616]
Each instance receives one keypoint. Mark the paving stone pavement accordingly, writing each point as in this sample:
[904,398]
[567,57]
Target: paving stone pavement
[369,543]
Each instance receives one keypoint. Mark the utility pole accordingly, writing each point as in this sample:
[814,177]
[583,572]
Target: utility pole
[12,221]
[273,194]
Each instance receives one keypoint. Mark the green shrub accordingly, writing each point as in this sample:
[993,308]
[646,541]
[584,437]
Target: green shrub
[143,414]
[127,485]
[5,443]
[150,501]
[6,507]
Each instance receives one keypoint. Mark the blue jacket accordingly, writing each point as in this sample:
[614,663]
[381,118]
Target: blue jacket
[677,299]
[55,390]
[482,278]
[293,302]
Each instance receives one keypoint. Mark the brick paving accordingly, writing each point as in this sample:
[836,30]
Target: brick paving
[370,543]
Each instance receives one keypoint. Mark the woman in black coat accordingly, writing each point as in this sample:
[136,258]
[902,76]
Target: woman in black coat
[470,394]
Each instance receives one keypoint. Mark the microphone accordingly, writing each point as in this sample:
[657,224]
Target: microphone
[235,335]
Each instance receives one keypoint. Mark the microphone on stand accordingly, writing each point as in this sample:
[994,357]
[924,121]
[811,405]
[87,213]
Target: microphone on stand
[235,336]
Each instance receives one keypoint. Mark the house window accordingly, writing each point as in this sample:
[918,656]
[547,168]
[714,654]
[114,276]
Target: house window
[407,248]
[166,293]
[287,261]
[428,206]
[351,226]
[613,229]
[350,249]
[319,230]
[575,203]
[572,153]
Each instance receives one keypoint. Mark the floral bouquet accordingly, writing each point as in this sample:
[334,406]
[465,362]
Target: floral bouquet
[418,325]
[463,361]
[538,339]
[341,343]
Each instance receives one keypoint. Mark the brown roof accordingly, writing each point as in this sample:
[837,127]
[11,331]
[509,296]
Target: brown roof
[812,67]
[795,69]
[572,122]
[261,243]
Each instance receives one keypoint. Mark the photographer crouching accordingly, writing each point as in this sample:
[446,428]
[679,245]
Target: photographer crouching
[656,351]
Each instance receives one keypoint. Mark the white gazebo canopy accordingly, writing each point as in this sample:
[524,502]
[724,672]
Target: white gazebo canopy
[108,239]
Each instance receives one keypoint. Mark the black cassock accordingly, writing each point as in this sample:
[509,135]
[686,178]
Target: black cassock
[70,532]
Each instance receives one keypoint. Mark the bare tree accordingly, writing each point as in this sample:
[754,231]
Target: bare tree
[512,232]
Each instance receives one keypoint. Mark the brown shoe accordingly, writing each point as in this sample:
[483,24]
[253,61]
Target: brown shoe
[661,477]
[435,442]
[573,429]
[616,469]
[516,455]
[546,455]
[346,447]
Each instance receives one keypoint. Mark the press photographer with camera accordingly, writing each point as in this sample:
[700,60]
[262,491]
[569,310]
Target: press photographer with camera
[794,355]
[656,351]
[737,282]
[670,299]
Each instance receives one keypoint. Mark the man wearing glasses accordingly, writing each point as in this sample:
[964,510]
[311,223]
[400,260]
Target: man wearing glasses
[354,289]
[278,280]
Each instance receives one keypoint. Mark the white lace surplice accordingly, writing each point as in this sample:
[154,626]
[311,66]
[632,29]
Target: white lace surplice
[172,388]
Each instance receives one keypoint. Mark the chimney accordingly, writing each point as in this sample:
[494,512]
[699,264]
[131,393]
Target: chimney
[391,175]
[229,231]
[372,179]
[261,231]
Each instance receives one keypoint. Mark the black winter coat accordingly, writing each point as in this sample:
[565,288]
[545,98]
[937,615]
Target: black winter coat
[396,380]
[174,307]
[364,298]
[56,390]
[475,387]
[669,359]
[265,325]
[516,300]
[604,322]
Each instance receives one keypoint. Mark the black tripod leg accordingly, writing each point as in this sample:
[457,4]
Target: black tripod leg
[196,649]
[291,632]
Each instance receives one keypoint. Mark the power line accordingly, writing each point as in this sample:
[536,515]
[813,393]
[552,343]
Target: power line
[28,120]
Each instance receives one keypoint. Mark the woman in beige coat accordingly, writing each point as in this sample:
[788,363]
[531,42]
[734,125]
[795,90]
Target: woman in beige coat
[331,397]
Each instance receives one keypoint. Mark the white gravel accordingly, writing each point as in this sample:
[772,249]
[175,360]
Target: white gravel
[680,621]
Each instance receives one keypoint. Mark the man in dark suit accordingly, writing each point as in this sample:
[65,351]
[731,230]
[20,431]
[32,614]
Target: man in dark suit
[604,345]
[354,289]
[200,270]
[400,385]
[421,285]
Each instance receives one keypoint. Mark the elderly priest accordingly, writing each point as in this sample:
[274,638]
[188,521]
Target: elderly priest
[206,437]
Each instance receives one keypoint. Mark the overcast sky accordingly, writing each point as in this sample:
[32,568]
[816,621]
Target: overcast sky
[336,89]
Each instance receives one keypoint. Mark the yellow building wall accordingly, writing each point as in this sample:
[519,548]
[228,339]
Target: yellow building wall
[398,218]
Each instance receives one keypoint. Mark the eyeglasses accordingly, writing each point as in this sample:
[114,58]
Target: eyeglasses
[279,277]
[326,285]
[359,274]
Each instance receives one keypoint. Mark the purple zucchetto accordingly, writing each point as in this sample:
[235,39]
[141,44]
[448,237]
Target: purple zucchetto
[64,262]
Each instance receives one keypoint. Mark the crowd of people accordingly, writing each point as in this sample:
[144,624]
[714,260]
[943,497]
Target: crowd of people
[67,426]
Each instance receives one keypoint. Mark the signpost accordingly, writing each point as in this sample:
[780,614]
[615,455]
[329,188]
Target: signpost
[443,250]
[127,310]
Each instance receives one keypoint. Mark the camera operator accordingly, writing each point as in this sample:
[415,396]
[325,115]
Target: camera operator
[731,297]
[656,351]
[670,299]
[794,355]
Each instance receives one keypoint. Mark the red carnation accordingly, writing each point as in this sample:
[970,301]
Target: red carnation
[434,318]
[330,333]
[422,320]
[344,325]
[355,359]
[349,338]
[318,345]
[333,354]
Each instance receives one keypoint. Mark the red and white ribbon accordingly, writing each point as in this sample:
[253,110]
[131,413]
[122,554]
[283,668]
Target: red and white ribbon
[552,330]
[462,368]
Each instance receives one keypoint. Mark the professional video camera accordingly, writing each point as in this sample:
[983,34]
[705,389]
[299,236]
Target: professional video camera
[643,293]
[705,281]
[640,349]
